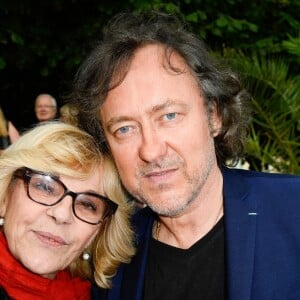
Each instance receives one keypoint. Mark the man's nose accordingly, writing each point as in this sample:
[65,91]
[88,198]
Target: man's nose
[153,145]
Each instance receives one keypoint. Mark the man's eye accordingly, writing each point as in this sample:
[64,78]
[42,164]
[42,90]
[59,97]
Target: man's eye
[170,116]
[123,130]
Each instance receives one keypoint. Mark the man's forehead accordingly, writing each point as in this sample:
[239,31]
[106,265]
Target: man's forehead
[45,99]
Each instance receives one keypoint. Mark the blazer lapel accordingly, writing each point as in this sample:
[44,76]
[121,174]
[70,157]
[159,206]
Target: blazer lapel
[134,273]
[240,227]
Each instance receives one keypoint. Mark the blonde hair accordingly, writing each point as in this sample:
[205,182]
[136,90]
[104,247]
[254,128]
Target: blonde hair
[3,124]
[63,149]
[68,114]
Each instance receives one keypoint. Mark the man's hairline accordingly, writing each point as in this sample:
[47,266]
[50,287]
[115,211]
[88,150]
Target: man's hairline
[49,96]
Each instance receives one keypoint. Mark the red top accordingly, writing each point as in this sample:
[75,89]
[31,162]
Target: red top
[21,284]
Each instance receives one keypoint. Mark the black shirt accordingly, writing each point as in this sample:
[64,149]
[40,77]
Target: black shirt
[185,274]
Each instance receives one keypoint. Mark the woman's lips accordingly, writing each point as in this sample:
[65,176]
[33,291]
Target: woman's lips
[50,239]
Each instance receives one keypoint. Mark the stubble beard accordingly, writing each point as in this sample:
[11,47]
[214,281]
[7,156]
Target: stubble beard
[174,205]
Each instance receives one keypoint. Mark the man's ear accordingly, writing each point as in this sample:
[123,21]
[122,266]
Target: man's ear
[215,120]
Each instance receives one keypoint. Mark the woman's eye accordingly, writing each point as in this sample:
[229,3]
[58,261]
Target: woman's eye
[170,116]
[44,187]
[88,205]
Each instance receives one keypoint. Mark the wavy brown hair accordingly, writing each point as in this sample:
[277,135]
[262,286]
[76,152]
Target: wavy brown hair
[108,63]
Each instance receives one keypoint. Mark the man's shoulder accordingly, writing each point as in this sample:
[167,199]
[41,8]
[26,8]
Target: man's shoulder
[241,183]
[262,190]
[254,176]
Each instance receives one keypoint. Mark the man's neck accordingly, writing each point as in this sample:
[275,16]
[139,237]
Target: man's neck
[197,220]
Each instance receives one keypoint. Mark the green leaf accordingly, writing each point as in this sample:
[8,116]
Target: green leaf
[17,39]
[2,63]
[222,22]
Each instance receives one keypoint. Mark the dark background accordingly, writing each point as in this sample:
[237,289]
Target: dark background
[42,43]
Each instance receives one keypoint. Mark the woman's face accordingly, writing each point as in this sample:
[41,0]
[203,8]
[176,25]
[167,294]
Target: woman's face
[46,239]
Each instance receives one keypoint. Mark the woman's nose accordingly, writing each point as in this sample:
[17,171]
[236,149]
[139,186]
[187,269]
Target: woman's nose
[62,212]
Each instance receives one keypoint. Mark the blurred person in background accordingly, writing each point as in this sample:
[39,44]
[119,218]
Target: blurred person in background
[8,133]
[45,107]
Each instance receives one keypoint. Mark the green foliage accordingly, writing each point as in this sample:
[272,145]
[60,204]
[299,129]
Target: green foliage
[274,142]
[43,42]
[2,63]
[292,46]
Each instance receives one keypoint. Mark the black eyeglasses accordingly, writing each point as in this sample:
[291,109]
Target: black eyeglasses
[48,190]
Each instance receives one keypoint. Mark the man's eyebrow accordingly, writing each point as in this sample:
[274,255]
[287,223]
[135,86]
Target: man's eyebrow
[114,120]
[168,103]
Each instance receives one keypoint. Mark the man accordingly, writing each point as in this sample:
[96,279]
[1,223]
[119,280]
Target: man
[45,107]
[172,119]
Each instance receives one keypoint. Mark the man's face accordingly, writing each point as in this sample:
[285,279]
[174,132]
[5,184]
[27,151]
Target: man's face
[157,128]
[45,108]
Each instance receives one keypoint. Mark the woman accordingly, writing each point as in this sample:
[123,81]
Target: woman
[59,227]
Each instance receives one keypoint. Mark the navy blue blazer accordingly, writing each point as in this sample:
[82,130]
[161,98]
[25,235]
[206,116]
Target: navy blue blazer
[262,240]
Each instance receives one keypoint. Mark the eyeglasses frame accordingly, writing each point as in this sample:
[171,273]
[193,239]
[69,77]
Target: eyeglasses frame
[25,174]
